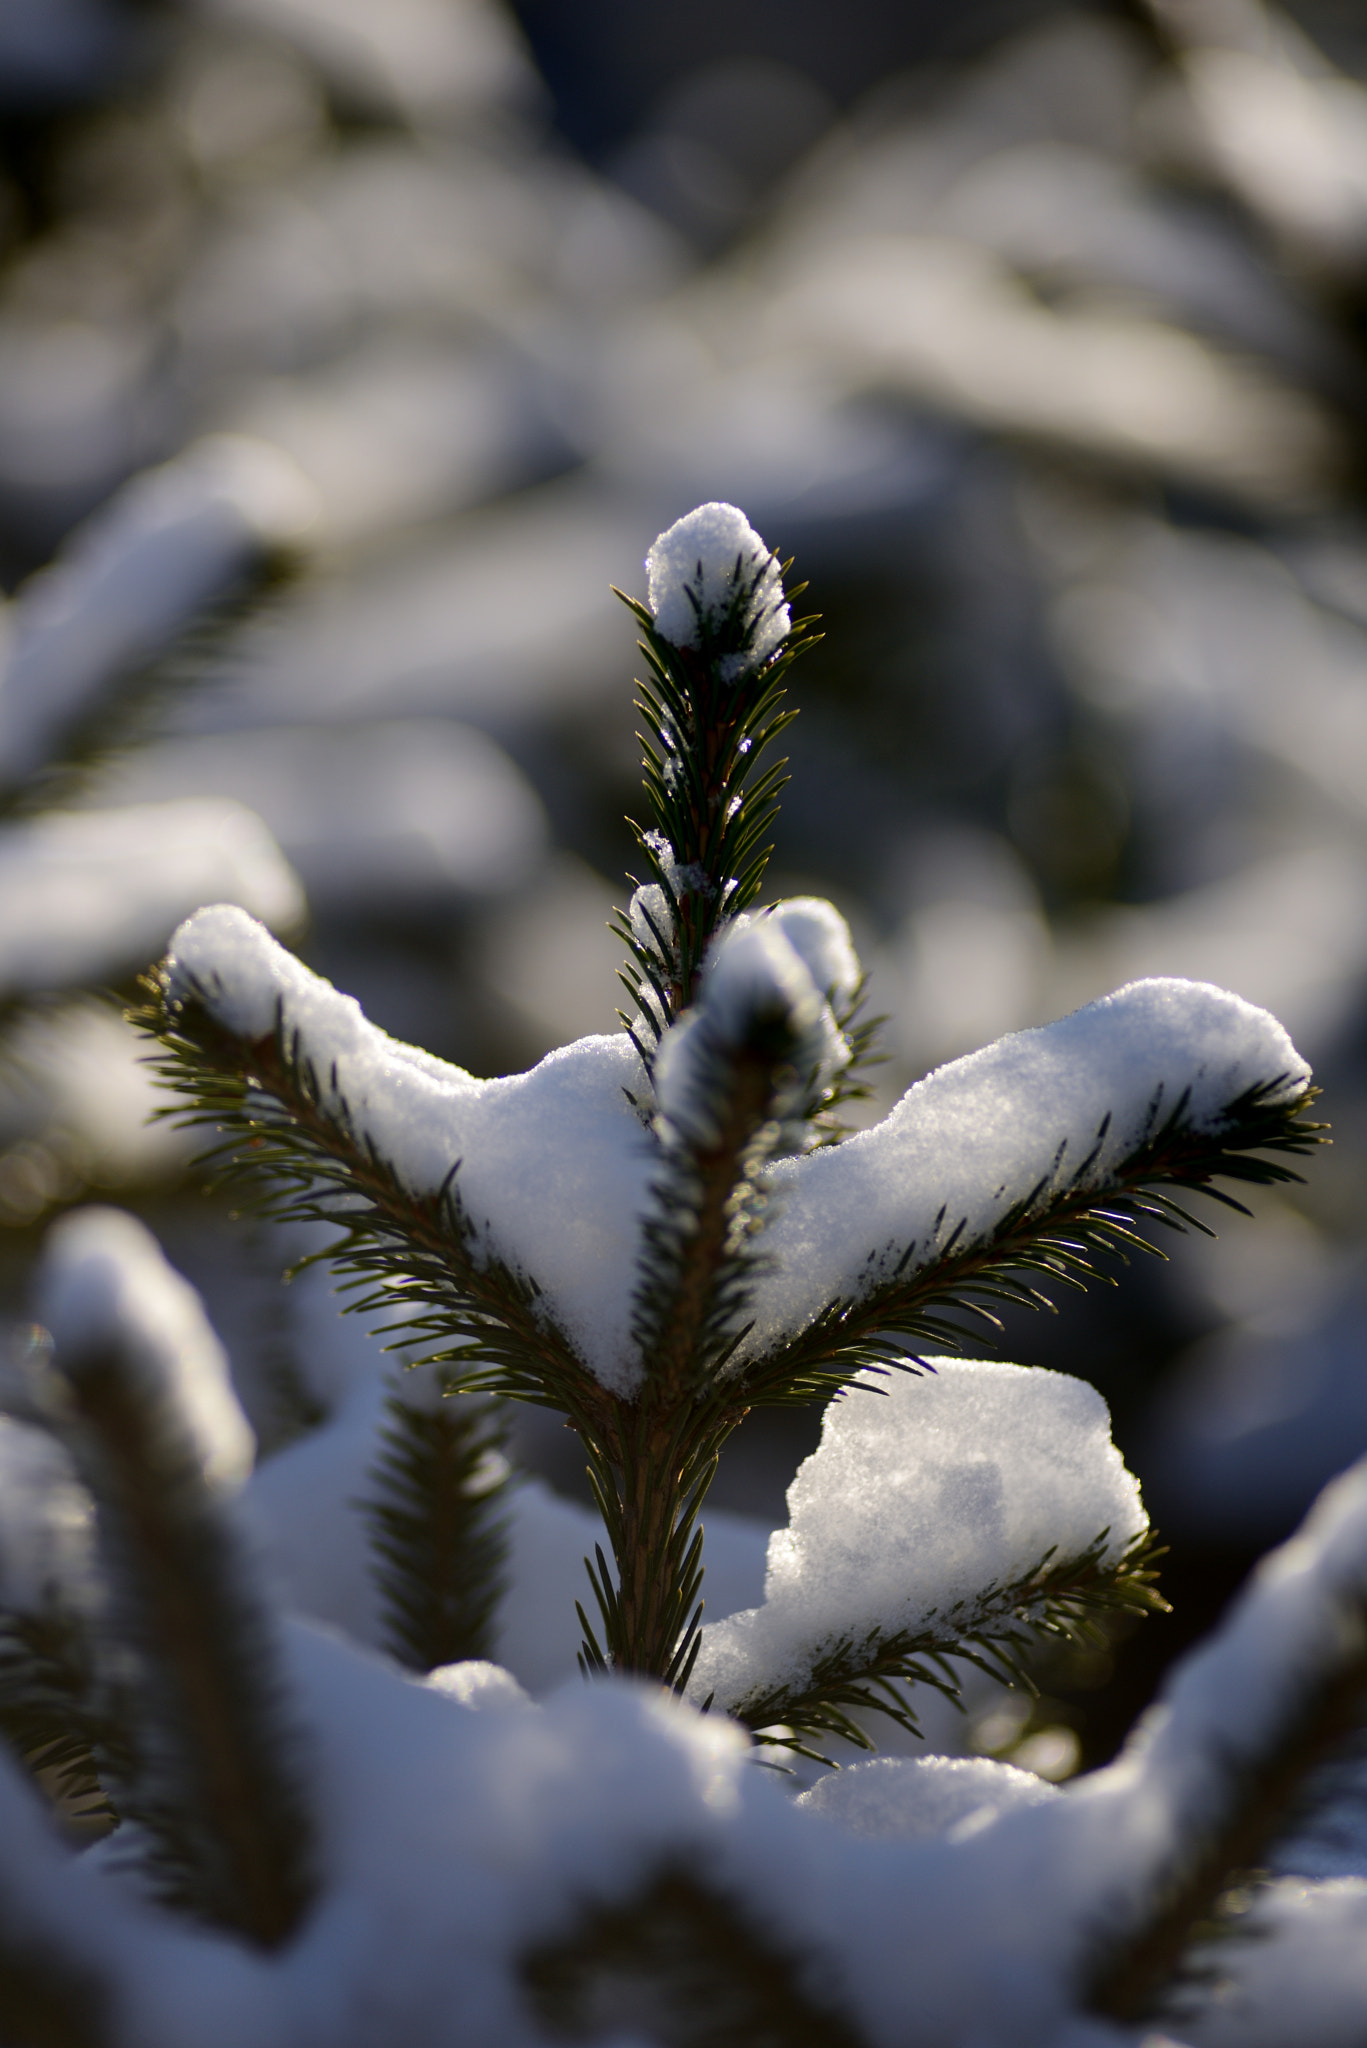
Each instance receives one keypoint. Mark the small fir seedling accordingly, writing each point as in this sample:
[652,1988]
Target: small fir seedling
[658,1233]
[652,1232]
[204,1762]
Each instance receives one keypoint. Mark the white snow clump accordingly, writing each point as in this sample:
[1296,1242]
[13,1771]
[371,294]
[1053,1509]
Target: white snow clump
[753,976]
[897,1798]
[104,1284]
[978,1135]
[820,937]
[554,1165]
[693,572]
[913,1503]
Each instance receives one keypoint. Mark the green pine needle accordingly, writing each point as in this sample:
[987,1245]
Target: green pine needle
[1062,1233]
[993,1631]
[437,1531]
[712,804]
[64,1720]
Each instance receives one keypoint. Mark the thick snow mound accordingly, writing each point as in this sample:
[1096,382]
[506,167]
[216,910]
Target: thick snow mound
[693,572]
[955,1481]
[898,1798]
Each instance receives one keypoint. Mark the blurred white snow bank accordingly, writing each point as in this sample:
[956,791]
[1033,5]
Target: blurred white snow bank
[89,896]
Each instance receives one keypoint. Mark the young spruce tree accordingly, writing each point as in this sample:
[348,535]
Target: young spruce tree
[656,1234]
[653,1233]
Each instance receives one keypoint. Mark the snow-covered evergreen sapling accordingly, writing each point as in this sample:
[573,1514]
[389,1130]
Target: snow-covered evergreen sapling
[656,1232]
[175,1676]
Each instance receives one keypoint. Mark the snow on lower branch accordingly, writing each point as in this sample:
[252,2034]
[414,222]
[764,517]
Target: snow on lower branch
[460,1826]
[914,1506]
[981,1134]
[553,1165]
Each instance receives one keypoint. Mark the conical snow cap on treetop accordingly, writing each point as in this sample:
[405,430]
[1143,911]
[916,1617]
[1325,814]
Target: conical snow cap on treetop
[711,578]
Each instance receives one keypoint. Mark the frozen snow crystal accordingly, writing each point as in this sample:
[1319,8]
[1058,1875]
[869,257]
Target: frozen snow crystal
[554,1165]
[977,1136]
[914,1504]
[103,1285]
[694,572]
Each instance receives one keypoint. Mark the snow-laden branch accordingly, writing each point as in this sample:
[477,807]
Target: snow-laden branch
[734,1081]
[141,1392]
[106,1289]
[1216,1770]
[467,1830]
[168,545]
[551,1167]
[1042,1140]
[1138,1854]
[718,638]
[1165,1081]
[941,1513]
